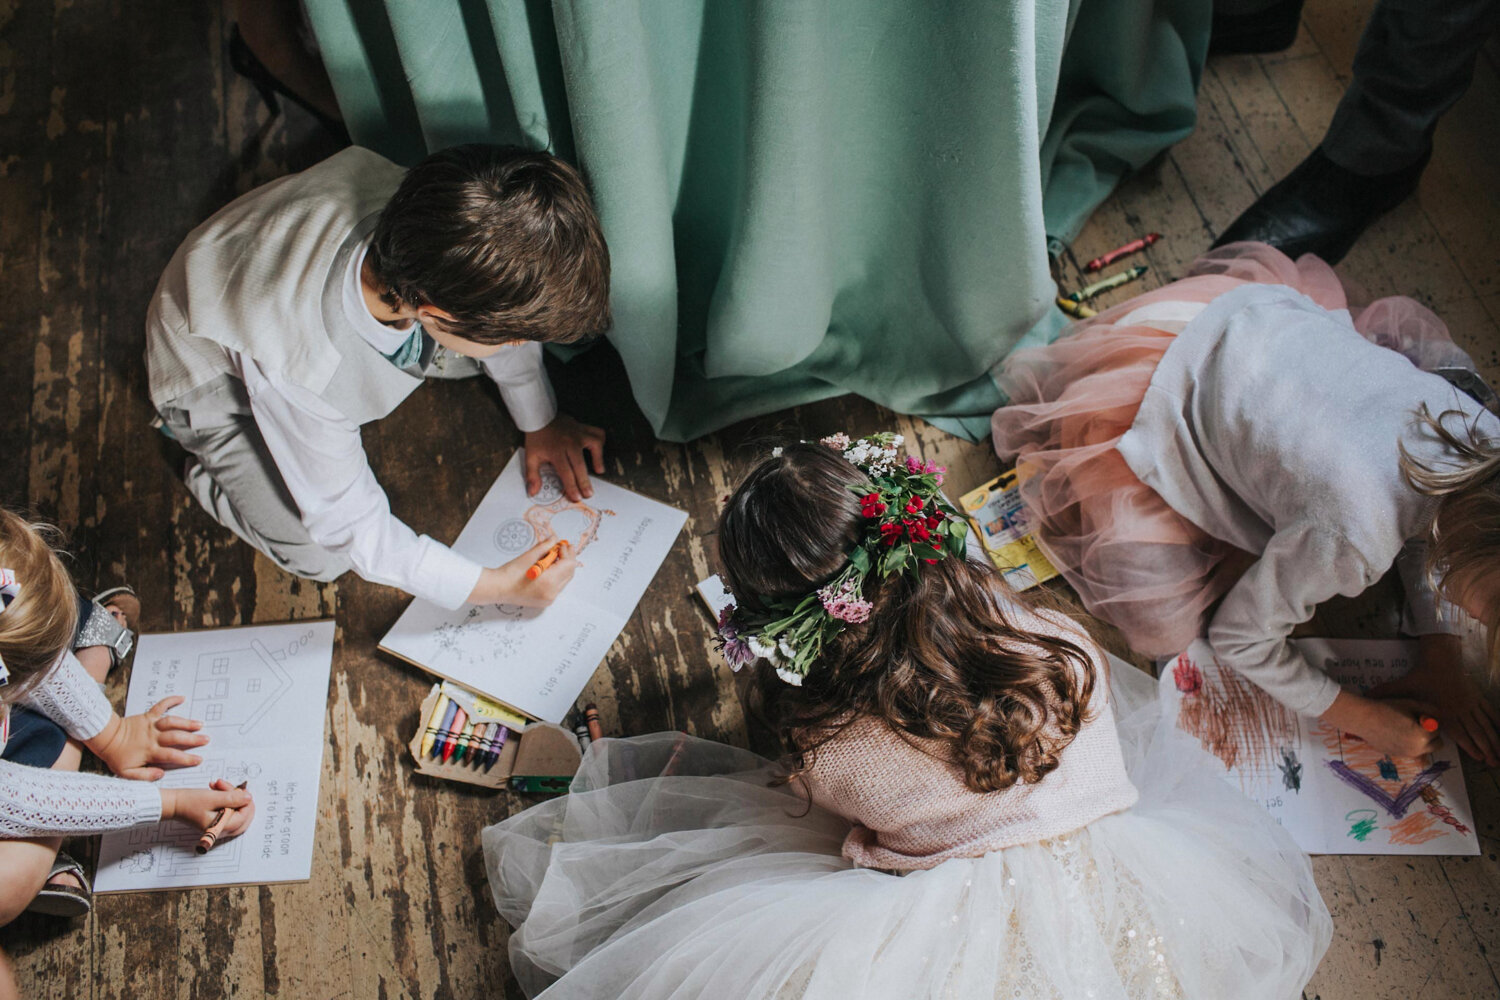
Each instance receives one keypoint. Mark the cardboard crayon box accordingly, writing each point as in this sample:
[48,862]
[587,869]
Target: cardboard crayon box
[536,750]
[1000,520]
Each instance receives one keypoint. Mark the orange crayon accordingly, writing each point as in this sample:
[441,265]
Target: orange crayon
[548,558]
[1429,723]
[591,716]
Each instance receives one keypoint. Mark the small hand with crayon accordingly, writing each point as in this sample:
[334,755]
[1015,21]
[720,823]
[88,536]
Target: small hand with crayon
[533,579]
[1457,701]
[142,746]
[1397,726]
[221,811]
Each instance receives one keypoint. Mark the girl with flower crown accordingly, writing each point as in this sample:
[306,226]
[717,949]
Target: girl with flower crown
[972,802]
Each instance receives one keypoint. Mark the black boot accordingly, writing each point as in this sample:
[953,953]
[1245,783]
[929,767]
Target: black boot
[1270,29]
[1321,208]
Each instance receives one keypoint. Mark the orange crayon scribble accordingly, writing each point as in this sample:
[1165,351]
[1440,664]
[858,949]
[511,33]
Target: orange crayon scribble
[1366,760]
[1416,828]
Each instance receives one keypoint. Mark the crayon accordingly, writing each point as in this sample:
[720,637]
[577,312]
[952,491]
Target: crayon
[1134,246]
[441,710]
[1075,309]
[211,835]
[1429,723]
[450,735]
[465,739]
[677,747]
[501,732]
[548,558]
[478,744]
[584,739]
[1125,277]
[591,717]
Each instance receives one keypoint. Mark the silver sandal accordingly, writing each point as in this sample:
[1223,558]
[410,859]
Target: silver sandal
[64,900]
[101,628]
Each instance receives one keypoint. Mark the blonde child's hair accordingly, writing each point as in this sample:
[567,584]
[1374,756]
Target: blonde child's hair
[1464,539]
[38,625]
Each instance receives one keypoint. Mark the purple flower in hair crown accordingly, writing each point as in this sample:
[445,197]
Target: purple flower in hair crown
[908,524]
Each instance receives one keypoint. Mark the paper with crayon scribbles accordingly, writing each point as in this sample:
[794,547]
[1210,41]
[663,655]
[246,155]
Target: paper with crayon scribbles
[1331,791]
[261,692]
[537,661]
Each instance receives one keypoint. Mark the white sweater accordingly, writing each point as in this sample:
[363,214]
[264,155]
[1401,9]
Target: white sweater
[41,802]
[1273,425]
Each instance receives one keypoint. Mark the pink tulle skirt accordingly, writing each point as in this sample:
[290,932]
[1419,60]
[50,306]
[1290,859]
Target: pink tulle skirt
[1134,561]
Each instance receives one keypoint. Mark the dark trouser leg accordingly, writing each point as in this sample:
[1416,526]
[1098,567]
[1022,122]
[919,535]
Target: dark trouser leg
[1415,60]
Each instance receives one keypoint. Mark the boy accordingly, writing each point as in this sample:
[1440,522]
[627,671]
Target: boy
[318,302]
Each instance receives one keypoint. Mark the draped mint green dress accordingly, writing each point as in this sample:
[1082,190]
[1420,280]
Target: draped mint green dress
[802,198]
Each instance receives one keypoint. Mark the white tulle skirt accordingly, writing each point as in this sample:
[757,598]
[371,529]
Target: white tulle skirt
[673,870]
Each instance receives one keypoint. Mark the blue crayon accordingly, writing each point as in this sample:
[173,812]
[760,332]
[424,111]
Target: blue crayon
[437,745]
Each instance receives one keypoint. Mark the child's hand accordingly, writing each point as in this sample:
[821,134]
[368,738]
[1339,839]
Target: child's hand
[140,746]
[507,584]
[1458,702]
[1390,725]
[197,807]
[561,444]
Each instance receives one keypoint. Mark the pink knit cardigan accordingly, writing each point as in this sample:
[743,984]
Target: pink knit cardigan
[912,810]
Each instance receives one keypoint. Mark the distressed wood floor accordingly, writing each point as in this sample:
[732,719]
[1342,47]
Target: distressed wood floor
[120,128]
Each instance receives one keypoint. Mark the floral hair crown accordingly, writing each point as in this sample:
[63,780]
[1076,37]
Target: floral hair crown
[908,524]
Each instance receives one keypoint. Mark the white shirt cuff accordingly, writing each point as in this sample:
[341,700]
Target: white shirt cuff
[442,576]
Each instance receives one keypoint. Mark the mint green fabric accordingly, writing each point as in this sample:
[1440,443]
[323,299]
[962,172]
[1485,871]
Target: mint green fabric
[802,198]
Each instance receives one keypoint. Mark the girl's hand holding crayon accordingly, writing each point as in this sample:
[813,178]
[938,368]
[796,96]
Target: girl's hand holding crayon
[1391,725]
[142,746]
[511,583]
[1458,702]
[202,808]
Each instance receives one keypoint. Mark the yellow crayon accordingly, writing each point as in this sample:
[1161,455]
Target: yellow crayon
[1075,309]
[434,724]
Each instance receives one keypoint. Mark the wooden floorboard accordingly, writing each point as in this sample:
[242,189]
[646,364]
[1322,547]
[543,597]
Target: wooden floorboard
[115,142]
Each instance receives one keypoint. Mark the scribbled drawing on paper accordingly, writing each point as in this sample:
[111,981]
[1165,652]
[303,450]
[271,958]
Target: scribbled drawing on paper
[1236,721]
[1291,770]
[1332,791]
[259,681]
[138,862]
[551,515]
[1362,823]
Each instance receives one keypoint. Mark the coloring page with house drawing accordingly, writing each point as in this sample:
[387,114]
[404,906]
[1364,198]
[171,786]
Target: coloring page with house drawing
[261,693]
[536,661]
[1332,791]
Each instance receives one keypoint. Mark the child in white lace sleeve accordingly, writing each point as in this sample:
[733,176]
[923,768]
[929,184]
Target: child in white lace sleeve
[51,707]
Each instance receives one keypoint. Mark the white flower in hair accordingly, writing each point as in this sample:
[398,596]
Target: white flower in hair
[762,650]
[794,679]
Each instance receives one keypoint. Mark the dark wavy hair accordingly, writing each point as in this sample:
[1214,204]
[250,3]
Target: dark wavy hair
[503,239]
[939,659]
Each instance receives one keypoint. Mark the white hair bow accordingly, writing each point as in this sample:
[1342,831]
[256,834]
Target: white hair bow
[10,589]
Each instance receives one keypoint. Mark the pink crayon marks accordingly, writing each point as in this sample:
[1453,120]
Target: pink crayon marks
[1233,719]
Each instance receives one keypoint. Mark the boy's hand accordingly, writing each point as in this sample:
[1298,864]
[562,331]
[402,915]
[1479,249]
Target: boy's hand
[561,444]
[1458,702]
[197,807]
[507,584]
[140,746]
[1390,725]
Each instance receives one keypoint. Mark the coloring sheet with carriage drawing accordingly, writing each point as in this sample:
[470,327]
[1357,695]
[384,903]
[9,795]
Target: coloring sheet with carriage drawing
[1333,792]
[537,661]
[261,693]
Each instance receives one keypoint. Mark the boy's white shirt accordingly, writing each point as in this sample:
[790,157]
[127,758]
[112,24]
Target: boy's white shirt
[321,458]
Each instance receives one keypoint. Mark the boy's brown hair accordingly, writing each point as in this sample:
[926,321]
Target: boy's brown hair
[503,239]
[1463,550]
[38,625]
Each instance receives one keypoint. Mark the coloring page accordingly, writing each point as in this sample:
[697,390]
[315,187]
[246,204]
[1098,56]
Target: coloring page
[1334,793]
[260,692]
[536,661]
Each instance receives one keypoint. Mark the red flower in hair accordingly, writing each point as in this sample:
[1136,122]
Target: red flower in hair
[870,505]
[917,530]
[890,533]
[933,520]
[914,505]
